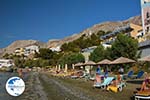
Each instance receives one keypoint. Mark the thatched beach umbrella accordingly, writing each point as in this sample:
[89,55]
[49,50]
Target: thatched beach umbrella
[78,64]
[122,60]
[147,58]
[104,62]
[90,63]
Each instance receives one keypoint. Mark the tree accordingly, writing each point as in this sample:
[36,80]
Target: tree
[19,62]
[45,53]
[71,58]
[6,56]
[97,54]
[83,42]
[124,46]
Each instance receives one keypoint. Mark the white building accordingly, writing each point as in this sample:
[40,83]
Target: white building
[57,49]
[31,50]
[6,63]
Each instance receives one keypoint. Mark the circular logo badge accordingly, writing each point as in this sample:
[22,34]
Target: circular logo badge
[15,86]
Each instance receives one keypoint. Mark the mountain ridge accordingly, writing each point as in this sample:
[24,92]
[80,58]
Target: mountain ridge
[104,26]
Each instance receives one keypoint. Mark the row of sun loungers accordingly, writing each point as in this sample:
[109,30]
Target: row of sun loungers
[108,85]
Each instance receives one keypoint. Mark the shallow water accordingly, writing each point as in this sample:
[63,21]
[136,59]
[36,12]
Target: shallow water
[4,76]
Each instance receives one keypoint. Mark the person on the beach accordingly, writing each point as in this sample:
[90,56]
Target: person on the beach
[118,79]
[20,72]
[98,70]
[106,73]
[146,84]
[97,79]
[121,70]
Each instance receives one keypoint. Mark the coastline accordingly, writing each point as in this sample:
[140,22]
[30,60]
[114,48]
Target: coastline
[44,86]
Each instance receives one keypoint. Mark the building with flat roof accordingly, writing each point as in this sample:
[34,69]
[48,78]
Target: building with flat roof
[31,50]
[6,63]
[19,51]
[109,38]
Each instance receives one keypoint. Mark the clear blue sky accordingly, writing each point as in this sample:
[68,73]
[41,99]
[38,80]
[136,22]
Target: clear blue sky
[55,19]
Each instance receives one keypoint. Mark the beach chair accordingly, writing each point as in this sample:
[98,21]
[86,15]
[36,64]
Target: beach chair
[74,77]
[78,74]
[106,82]
[139,75]
[118,87]
[130,74]
[144,95]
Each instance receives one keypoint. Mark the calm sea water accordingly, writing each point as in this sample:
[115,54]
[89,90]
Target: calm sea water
[4,76]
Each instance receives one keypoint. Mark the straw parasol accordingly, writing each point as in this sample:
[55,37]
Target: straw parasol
[147,58]
[122,60]
[90,63]
[104,62]
[78,64]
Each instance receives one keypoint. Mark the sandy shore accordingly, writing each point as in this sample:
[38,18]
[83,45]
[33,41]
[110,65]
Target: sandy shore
[34,88]
[43,86]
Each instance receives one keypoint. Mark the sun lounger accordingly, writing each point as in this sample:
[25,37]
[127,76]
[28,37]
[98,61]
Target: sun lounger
[142,95]
[78,74]
[139,75]
[117,88]
[106,82]
[129,75]
[74,77]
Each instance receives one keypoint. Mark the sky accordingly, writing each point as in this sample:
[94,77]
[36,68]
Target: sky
[55,19]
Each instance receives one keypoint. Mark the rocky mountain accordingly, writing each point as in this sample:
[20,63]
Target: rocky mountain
[105,26]
[56,43]
[21,44]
